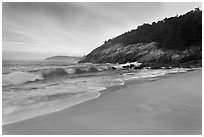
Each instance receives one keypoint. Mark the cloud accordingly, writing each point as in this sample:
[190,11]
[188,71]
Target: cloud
[74,28]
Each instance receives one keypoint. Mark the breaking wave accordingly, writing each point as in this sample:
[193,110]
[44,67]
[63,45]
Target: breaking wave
[24,77]
[19,78]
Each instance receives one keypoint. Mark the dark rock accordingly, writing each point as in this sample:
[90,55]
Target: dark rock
[126,67]
[113,68]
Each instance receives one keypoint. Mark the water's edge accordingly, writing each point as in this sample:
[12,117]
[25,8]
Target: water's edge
[98,94]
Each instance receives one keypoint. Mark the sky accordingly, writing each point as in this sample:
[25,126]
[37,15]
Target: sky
[34,31]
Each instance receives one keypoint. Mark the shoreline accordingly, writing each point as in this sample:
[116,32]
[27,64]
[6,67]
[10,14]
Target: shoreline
[100,92]
[54,110]
[111,91]
[103,91]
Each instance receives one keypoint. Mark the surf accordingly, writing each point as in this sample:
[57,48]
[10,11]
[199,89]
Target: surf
[21,77]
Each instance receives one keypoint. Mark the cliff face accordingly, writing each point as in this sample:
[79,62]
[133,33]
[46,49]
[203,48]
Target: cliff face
[176,41]
[146,53]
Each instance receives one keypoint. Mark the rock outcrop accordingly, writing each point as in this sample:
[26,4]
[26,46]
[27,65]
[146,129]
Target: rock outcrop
[148,54]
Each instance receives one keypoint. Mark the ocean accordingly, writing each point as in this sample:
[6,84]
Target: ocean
[33,88]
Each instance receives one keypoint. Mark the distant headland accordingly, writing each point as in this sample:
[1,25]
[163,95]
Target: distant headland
[73,59]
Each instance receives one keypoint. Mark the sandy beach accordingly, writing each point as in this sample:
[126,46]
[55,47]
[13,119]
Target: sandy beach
[170,105]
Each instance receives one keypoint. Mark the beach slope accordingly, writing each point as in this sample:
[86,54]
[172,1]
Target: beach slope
[171,105]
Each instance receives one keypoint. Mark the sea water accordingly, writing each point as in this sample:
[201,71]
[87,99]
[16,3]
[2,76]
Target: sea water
[33,88]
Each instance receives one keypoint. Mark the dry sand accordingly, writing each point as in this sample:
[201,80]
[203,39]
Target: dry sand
[172,105]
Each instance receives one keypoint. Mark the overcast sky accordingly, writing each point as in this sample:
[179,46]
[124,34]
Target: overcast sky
[40,30]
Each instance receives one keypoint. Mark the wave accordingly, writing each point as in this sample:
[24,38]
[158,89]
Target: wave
[47,74]
[55,73]
[19,78]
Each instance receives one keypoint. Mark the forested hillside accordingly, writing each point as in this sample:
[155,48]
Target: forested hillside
[173,39]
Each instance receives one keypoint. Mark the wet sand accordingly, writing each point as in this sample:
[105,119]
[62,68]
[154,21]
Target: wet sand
[172,105]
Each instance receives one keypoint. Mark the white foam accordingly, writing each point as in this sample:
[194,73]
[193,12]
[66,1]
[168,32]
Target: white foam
[19,77]
[70,70]
[149,73]
[51,107]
